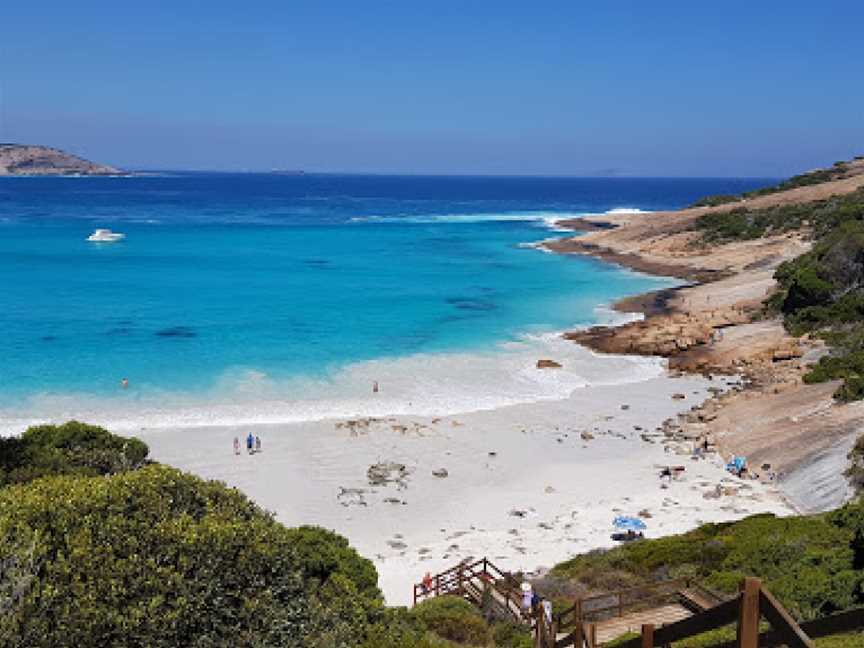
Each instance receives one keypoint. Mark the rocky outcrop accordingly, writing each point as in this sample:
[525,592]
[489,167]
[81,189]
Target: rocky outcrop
[31,160]
[548,364]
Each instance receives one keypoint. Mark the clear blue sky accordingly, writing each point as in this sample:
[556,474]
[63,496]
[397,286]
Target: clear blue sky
[762,87]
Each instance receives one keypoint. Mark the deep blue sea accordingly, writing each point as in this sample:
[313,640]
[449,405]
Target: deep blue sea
[275,297]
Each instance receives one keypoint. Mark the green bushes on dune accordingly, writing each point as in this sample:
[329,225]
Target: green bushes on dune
[72,448]
[744,223]
[822,291]
[818,176]
[717,199]
[100,548]
[855,471]
[813,564]
[158,558]
[455,619]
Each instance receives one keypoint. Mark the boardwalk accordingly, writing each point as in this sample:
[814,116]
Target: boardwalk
[633,622]
[661,613]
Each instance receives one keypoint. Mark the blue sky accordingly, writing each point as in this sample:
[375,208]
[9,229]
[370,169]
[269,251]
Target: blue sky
[762,88]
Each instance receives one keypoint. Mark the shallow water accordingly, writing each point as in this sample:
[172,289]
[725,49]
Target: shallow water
[247,297]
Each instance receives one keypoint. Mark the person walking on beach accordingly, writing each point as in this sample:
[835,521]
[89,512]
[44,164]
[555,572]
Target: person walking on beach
[257,443]
[375,387]
[250,440]
[236,446]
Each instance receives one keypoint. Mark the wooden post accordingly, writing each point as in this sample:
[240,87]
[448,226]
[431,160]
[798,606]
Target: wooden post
[577,609]
[437,584]
[578,634]
[539,636]
[782,622]
[647,635]
[748,614]
[592,635]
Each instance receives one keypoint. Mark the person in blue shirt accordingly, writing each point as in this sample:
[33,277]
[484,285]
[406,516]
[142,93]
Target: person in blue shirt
[250,440]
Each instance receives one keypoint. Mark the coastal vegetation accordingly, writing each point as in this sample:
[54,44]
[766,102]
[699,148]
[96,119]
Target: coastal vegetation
[811,563]
[818,218]
[70,449]
[99,547]
[817,176]
[820,292]
[159,558]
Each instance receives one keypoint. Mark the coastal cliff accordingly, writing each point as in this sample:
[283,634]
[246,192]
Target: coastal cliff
[34,160]
[731,249]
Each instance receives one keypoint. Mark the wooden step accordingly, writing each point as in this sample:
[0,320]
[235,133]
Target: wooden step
[615,627]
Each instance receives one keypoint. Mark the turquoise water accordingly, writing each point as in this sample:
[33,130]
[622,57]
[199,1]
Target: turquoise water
[285,279]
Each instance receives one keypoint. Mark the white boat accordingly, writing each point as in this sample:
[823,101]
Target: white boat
[105,236]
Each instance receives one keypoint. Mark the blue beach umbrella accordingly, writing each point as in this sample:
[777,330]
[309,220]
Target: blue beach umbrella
[628,523]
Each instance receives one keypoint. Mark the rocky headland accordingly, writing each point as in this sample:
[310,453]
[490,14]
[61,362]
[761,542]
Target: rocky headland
[34,160]
[717,324]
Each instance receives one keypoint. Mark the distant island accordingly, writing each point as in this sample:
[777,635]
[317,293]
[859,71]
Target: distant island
[34,160]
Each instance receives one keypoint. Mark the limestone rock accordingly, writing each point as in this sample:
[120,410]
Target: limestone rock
[548,364]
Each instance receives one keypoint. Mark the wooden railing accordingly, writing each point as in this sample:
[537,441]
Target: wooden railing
[475,581]
[576,627]
[751,604]
[616,604]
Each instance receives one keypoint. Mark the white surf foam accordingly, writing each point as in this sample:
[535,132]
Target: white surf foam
[549,219]
[423,384]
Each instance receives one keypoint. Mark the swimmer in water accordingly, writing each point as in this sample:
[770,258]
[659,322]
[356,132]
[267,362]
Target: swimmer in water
[124,383]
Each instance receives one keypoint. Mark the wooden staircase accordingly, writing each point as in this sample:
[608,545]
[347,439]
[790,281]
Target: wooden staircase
[663,613]
[482,583]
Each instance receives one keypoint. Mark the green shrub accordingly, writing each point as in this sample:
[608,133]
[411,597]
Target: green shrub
[809,563]
[400,628]
[846,640]
[511,635]
[154,557]
[455,619]
[71,448]
[838,170]
[744,222]
[713,201]
[855,471]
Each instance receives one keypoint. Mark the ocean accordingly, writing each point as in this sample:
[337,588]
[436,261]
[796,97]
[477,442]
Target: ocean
[261,298]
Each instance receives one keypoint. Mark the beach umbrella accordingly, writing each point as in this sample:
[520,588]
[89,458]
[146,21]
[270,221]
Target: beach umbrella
[628,523]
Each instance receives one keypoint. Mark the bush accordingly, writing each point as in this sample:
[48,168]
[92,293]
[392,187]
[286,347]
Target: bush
[742,223]
[855,471]
[399,628]
[713,201]
[810,563]
[72,448]
[511,635]
[455,619]
[158,558]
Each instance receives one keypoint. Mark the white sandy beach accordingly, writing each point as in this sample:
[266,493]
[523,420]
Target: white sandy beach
[523,486]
